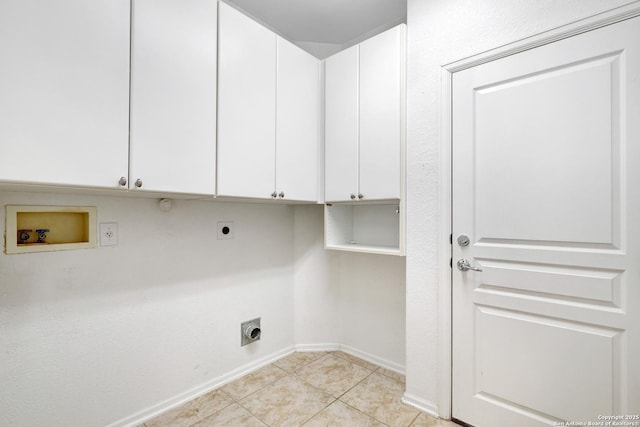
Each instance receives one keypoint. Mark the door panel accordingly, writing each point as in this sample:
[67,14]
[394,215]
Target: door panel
[297,123]
[381,90]
[567,112]
[246,106]
[64,91]
[173,96]
[341,125]
[505,348]
[545,185]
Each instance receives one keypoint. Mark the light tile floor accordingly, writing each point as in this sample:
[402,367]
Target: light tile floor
[317,389]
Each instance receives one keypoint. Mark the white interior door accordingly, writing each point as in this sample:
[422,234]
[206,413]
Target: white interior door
[546,147]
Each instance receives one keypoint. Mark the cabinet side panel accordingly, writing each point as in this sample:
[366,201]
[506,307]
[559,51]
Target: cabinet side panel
[341,125]
[246,106]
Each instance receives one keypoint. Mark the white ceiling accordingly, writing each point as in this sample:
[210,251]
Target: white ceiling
[340,22]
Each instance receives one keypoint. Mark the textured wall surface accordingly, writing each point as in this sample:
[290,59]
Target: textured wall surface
[91,337]
[441,32]
[88,337]
[317,286]
[353,299]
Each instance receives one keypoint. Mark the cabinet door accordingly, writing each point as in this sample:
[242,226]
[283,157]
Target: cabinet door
[173,95]
[64,91]
[341,125]
[381,114]
[246,106]
[297,123]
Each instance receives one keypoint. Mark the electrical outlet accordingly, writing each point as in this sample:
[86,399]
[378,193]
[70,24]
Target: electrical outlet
[225,230]
[108,234]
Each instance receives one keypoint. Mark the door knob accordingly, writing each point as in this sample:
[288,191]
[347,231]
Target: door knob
[463,240]
[463,265]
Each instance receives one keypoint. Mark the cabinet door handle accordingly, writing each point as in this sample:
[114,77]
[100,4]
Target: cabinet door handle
[281,195]
[274,194]
[353,196]
[360,196]
[138,183]
[123,181]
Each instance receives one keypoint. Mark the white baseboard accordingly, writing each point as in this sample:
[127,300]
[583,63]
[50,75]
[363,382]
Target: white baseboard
[173,402]
[318,347]
[383,363]
[424,405]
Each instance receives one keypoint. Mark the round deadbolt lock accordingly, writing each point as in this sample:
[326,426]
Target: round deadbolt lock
[463,240]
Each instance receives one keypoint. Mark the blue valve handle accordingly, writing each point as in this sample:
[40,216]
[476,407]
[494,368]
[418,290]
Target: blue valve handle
[42,234]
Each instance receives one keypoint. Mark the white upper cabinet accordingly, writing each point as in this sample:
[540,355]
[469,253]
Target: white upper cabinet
[64,91]
[268,105]
[365,95]
[173,96]
[341,125]
[382,97]
[297,123]
[246,106]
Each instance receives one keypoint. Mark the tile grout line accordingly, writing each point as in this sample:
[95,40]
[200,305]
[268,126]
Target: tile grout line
[351,406]
[356,384]
[362,412]
[296,377]
[339,398]
[293,372]
[414,420]
[318,413]
[287,373]
[238,401]
[261,388]
[214,412]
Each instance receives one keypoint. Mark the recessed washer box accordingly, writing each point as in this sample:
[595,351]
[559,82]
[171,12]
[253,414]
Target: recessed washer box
[49,228]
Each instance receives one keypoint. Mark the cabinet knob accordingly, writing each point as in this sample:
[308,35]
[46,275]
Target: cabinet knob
[274,194]
[281,195]
[123,181]
[360,196]
[353,196]
[138,183]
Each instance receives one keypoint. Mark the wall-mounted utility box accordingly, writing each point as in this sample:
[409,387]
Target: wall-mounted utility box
[372,227]
[49,228]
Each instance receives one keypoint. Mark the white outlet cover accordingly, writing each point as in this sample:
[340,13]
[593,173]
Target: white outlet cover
[225,230]
[108,234]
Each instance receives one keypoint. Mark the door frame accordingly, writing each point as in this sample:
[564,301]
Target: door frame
[612,16]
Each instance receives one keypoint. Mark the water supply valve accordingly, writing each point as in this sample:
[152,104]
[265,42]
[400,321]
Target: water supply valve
[42,235]
[24,236]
